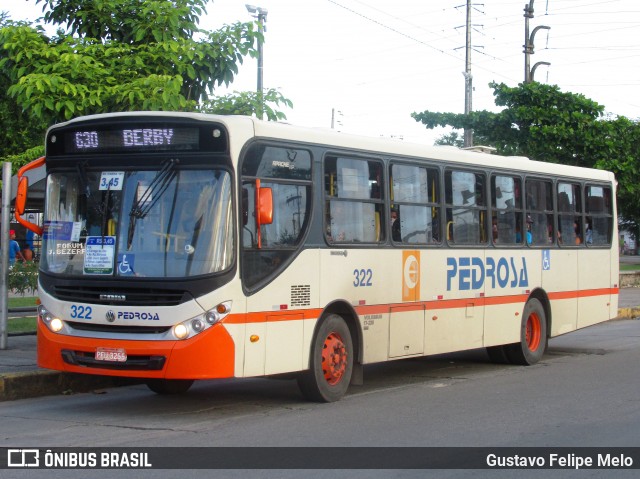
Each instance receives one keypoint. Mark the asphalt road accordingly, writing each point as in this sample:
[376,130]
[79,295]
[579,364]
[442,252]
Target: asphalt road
[585,392]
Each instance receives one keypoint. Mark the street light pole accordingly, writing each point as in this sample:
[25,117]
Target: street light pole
[528,43]
[260,14]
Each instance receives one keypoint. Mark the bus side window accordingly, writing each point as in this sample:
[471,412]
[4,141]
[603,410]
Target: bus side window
[415,198]
[353,200]
[539,211]
[506,225]
[466,207]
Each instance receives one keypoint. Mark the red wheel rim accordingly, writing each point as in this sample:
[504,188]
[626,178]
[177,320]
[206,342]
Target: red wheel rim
[334,358]
[534,332]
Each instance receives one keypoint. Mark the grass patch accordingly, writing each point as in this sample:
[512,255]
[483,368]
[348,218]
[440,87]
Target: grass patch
[630,267]
[21,325]
[22,301]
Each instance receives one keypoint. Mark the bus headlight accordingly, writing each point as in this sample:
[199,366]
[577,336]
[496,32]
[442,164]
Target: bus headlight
[181,331]
[54,324]
[193,326]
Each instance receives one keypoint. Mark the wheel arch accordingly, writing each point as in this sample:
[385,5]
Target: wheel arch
[541,295]
[346,311]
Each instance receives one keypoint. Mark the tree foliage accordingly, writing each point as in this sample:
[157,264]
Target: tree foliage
[19,129]
[124,55]
[546,124]
[246,103]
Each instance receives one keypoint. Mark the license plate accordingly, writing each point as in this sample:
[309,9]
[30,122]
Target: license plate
[111,354]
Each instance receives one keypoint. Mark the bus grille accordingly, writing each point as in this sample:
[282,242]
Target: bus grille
[121,296]
[116,328]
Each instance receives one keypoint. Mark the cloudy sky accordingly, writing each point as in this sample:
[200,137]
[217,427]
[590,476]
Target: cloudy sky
[375,62]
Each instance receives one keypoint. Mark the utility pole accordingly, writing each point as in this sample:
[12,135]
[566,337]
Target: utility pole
[468,79]
[528,44]
[259,14]
[4,253]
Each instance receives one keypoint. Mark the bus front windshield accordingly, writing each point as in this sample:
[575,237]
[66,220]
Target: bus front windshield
[170,222]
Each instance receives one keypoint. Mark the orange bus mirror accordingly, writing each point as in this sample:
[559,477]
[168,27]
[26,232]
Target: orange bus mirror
[21,195]
[265,211]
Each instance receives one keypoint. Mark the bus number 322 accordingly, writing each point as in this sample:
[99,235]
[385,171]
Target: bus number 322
[362,277]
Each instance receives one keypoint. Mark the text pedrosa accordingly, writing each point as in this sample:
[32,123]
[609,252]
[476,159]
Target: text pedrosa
[471,272]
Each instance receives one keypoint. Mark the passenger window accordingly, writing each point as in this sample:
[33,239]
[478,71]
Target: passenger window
[354,200]
[506,200]
[466,207]
[415,211]
[569,214]
[599,219]
[539,229]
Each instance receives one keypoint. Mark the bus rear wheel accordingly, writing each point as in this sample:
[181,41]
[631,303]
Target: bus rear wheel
[331,362]
[169,386]
[533,335]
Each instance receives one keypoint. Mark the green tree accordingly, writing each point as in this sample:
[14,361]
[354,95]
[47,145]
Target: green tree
[123,55]
[246,103]
[546,124]
[19,130]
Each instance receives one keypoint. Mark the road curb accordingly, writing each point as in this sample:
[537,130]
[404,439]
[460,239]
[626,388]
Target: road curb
[38,383]
[629,313]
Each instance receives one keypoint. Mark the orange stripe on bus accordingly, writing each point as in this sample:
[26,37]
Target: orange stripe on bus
[312,313]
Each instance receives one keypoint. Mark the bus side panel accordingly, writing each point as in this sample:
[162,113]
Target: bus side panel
[369,281]
[276,338]
[455,318]
[594,283]
[560,281]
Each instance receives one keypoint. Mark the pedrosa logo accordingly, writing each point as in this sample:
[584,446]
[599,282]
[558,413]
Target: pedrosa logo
[471,272]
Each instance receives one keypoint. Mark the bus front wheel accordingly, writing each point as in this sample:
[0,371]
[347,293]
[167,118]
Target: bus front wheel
[331,362]
[533,335]
[169,386]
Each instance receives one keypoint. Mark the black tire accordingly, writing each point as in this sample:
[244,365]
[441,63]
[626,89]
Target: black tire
[169,386]
[331,362]
[498,355]
[533,335]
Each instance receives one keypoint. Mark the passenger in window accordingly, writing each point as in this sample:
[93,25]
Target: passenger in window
[576,232]
[494,229]
[529,236]
[395,225]
[588,235]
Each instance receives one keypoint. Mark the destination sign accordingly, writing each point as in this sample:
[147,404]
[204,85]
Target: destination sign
[129,139]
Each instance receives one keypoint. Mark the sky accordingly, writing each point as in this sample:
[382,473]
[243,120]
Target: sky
[366,65]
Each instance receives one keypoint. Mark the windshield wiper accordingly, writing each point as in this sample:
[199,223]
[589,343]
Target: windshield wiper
[85,188]
[141,206]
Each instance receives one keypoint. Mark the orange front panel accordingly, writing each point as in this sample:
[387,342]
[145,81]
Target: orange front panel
[206,356]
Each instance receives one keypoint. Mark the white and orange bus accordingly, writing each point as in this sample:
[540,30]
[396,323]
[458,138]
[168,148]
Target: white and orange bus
[186,246]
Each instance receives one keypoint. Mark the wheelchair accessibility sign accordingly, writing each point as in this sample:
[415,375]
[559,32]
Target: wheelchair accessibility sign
[126,264]
[546,260]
